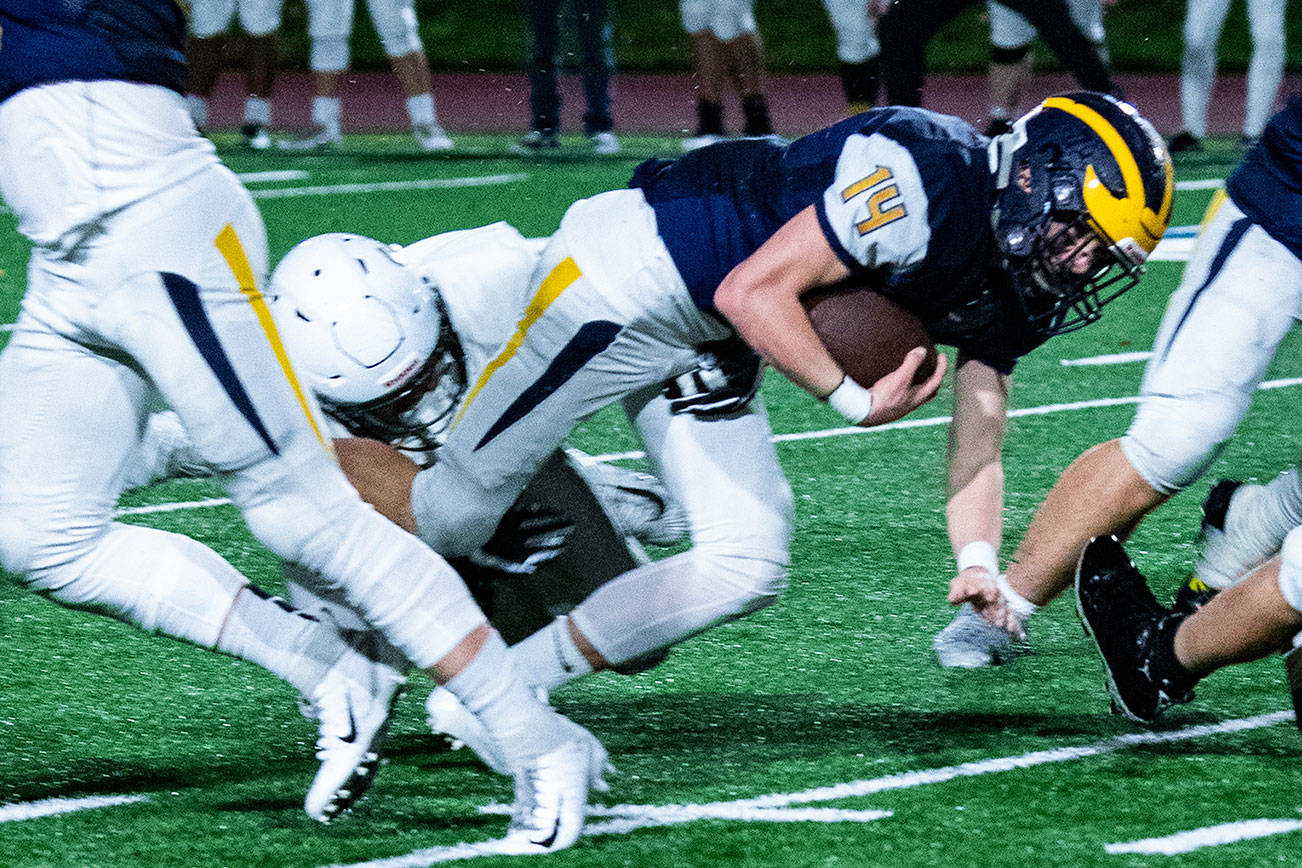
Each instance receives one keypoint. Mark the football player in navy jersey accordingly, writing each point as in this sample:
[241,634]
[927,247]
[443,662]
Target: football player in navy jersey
[1240,294]
[996,246]
[147,257]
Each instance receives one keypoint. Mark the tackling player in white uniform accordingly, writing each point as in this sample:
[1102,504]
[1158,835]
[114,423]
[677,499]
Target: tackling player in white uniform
[147,256]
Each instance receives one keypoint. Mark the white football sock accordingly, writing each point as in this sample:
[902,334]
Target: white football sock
[257,110]
[549,658]
[326,112]
[491,690]
[420,109]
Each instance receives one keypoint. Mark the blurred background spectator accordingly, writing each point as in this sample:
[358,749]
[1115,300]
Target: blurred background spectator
[856,51]
[908,25]
[597,62]
[210,24]
[330,27]
[1010,55]
[727,52]
[1203,22]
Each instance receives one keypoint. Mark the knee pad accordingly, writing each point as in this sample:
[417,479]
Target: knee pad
[1173,440]
[1290,568]
[260,17]
[395,22]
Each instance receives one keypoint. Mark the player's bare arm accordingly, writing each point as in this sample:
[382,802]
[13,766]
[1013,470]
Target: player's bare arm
[976,484]
[761,298]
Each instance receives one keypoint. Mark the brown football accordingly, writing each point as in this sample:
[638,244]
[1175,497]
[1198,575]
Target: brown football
[867,334]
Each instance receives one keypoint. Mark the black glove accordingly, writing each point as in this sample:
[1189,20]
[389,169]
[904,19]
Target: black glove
[529,535]
[726,377]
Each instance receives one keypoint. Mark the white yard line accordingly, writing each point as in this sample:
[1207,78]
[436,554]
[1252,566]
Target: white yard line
[1211,836]
[51,807]
[1109,359]
[1203,184]
[776,807]
[390,186]
[273,176]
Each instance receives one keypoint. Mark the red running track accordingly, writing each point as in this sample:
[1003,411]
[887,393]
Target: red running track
[499,102]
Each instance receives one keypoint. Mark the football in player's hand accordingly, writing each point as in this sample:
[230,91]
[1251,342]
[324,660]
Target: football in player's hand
[866,333]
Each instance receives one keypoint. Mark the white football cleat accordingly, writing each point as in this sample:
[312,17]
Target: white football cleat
[448,716]
[972,642]
[432,138]
[320,139]
[638,504]
[551,795]
[604,143]
[352,705]
[704,140]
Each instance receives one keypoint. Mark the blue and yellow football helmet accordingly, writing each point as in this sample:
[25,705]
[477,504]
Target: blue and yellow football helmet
[1079,166]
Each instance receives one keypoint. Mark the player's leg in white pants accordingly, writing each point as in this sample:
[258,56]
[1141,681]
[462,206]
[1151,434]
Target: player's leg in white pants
[1203,21]
[725,473]
[1266,68]
[1241,293]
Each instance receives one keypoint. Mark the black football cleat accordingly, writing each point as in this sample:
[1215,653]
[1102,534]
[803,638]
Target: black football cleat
[1120,613]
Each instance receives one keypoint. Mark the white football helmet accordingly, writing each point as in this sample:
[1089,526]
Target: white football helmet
[369,337]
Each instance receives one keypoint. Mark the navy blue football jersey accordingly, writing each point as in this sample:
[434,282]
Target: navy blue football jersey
[1267,186]
[903,197]
[44,41]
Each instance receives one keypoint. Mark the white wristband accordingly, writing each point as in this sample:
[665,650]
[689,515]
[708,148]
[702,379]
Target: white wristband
[979,553]
[851,400]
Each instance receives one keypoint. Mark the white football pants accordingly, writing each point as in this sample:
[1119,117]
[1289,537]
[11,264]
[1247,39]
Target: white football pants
[161,294]
[1240,294]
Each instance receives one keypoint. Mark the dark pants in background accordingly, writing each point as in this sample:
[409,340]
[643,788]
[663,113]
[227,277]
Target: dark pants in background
[595,58]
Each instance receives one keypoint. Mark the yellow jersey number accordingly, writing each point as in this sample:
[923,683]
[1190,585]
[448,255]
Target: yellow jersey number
[884,205]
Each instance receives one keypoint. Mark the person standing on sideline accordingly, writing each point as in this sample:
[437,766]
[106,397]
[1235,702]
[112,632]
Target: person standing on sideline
[1203,22]
[597,62]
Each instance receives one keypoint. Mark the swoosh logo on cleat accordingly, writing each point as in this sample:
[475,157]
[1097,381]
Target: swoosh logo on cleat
[556,829]
[352,728]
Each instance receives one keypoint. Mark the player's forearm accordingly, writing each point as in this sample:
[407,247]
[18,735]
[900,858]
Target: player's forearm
[777,328]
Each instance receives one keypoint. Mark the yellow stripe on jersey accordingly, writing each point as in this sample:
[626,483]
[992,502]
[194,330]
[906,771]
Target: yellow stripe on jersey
[228,244]
[560,279]
[1219,198]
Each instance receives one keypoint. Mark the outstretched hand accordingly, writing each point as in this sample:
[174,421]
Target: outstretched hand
[977,586]
[896,395]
